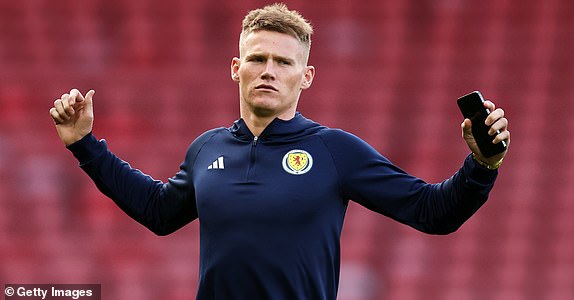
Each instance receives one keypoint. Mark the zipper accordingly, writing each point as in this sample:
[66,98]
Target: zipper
[252,157]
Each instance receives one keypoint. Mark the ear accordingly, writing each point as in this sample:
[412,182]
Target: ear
[308,77]
[235,62]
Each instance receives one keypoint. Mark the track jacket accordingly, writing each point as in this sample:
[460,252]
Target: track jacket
[271,208]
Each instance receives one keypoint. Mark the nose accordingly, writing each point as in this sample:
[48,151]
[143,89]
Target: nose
[269,71]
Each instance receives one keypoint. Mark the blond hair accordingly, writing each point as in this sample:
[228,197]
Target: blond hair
[277,17]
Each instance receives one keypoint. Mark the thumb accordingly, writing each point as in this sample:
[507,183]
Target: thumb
[89,96]
[88,100]
[466,127]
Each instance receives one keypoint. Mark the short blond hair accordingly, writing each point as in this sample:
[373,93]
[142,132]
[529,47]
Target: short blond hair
[277,17]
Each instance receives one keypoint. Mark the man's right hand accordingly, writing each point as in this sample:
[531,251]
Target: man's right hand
[74,116]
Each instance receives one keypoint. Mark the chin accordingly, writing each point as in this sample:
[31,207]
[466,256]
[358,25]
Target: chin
[265,105]
[264,111]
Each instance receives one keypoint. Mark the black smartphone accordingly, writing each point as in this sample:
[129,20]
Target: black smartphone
[472,107]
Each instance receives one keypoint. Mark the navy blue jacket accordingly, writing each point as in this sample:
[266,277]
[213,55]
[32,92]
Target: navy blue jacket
[271,208]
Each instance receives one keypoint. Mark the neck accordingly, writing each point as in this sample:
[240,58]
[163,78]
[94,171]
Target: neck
[257,124]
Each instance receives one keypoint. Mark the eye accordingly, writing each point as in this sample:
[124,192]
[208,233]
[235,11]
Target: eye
[284,61]
[256,59]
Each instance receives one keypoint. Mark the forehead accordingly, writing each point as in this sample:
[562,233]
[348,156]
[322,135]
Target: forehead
[271,42]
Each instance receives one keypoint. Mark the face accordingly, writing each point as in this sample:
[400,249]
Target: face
[271,73]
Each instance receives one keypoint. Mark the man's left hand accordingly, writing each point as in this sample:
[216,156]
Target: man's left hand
[496,121]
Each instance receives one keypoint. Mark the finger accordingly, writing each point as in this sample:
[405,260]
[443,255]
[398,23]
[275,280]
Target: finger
[63,98]
[56,116]
[488,104]
[59,106]
[67,106]
[503,136]
[500,125]
[494,116]
[75,96]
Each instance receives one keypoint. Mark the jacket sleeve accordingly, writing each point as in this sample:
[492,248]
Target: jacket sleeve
[373,181]
[161,207]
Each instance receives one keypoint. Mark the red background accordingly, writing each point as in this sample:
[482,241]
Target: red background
[388,71]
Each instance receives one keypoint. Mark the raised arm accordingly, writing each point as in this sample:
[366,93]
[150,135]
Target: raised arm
[161,207]
[373,181]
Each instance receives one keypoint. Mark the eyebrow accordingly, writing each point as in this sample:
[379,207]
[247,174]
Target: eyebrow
[275,57]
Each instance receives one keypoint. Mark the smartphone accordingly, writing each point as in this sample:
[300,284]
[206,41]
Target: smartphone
[472,107]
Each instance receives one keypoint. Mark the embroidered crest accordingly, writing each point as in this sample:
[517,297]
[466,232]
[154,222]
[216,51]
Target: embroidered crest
[297,162]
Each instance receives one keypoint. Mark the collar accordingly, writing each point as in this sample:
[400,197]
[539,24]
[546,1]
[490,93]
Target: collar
[278,130]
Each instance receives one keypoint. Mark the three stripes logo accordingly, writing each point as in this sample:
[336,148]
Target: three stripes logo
[217,164]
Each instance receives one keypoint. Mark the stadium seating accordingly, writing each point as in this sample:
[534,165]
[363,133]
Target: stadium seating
[388,71]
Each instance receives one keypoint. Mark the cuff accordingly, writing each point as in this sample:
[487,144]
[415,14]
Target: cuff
[88,148]
[479,172]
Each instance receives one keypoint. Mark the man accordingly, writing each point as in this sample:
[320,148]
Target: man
[271,190]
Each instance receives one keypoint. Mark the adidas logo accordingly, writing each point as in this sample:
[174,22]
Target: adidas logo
[217,164]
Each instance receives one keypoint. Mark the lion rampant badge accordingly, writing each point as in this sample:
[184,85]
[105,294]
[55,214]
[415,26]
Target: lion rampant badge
[297,162]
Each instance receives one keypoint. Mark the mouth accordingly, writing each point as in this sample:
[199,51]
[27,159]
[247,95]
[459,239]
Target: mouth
[267,87]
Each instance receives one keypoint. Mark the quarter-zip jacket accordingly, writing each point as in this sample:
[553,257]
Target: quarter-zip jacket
[271,208]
